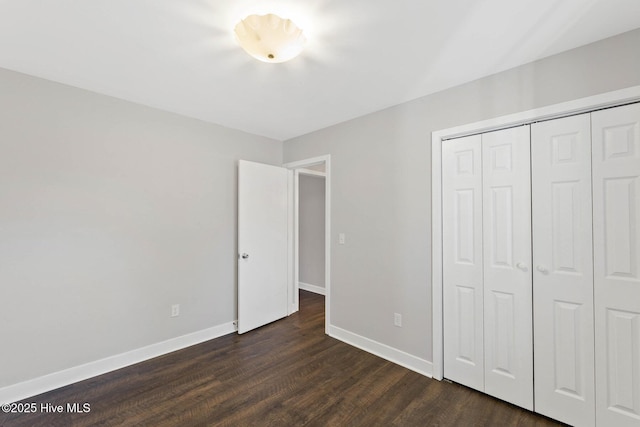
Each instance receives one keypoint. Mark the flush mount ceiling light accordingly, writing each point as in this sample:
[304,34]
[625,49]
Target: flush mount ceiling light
[270,38]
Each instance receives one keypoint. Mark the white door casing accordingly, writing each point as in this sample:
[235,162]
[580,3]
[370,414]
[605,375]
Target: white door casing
[508,341]
[616,234]
[263,244]
[563,270]
[462,259]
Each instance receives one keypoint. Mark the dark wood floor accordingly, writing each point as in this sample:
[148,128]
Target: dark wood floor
[288,373]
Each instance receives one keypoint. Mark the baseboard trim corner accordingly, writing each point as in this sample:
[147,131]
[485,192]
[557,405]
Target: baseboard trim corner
[311,288]
[384,351]
[43,384]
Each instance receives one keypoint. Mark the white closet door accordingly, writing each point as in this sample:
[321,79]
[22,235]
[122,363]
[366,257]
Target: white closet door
[462,261]
[507,272]
[563,270]
[616,220]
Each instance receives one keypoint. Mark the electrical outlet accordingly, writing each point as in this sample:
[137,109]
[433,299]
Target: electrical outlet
[397,319]
[342,238]
[175,310]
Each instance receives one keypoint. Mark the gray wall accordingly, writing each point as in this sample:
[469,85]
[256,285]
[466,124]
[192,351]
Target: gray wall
[380,166]
[110,213]
[312,215]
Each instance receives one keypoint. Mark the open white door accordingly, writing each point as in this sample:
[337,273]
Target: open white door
[263,244]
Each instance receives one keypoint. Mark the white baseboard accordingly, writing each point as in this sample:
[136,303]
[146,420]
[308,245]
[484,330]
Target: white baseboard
[311,288]
[16,392]
[391,354]
[19,391]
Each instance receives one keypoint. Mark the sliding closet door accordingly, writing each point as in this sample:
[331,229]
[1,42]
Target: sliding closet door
[563,270]
[508,346]
[616,220]
[462,261]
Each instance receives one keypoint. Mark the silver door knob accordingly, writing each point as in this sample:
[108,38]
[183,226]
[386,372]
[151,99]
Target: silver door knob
[244,256]
[522,266]
[542,269]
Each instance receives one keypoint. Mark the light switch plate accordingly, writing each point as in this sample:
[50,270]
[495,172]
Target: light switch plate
[397,319]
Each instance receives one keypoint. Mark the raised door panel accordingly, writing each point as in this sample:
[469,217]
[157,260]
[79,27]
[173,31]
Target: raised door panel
[506,259]
[616,216]
[462,261]
[563,271]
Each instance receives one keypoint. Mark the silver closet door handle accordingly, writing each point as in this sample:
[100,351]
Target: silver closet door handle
[244,256]
[542,269]
[522,266]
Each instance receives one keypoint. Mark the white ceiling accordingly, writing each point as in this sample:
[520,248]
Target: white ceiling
[361,55]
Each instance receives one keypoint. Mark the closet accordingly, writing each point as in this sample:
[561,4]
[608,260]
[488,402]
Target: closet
[541,252]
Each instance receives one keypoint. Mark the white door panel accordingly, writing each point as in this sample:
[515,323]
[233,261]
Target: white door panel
[563,270]
[507,266]
[462,258]
[616,217]
[263,229]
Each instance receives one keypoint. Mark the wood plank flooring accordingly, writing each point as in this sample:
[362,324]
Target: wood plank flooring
[288,373]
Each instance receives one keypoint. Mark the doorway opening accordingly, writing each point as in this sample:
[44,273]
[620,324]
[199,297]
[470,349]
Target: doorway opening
[312,179]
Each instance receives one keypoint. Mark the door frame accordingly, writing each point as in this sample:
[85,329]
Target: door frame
[579,106]
[300,166]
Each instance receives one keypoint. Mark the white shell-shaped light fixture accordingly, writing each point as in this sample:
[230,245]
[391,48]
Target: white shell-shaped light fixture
[270,38]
